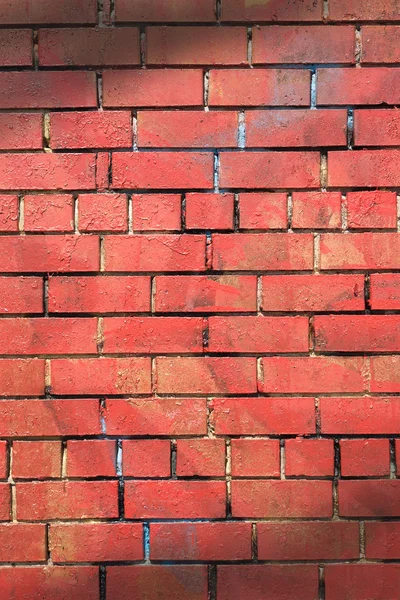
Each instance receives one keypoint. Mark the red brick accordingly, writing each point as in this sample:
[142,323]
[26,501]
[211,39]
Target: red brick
[303,45]
[310,375]
[176,87]
[4,460]
[372,168]
[345,333]
[255,458]
[209,211]
[22,542]
[50,583]
[354,10]
[263,211]
[316,210]
[21,295]
[16,47]
[36,460]
[281,499]
[369,210]
[103,170]
[164,10]
[360,251]
[258,334]
[67,500]
[158,252]
[309,458]
[160,170]
[45,212]
[91,458]
[158,335]
[111,294]
[47,171]
[200,458]
[316,293]
[360,416]
[373,498]
[358,86]
[382,540]
[364,458]
[128,582]
[47,89]
[5,504]
[21,377]
[146,458]
[272,87]
[103,212]
[109,129]
[263,252]
[48,336]
[21,131]
[377,127]
[308,541]
[296,128]
[356,582]
[206,375]
[240,10]
[47,12]
[96,542]
[379,43]
[160,416]
[9,213]
[101,376]
[225,293]
[196,46]
[175,499]
[385,374]
[263,416]
[156,212]
[89,47]
[200,541]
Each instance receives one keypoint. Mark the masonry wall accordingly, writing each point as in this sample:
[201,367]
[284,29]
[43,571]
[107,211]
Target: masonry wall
[200,300]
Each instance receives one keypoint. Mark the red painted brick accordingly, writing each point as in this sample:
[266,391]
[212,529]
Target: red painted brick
[302,44]
[360,416]
[146,458]
[36,460]
[103,212]
[95,542]
[373,498]
[67,500]
[101,376]
[4,460]
[158,417]
[356,582]
[128,583]
[255,458]
[158,252]
[316,210]
[111,294]
[47,12]
[16,47]
[109,129]
[240,10]
[175,499]
[176,87]
[48,89]
[372,168]
[309,458]
[358,86]
[377,128]
[281,499]
[263,252]
[308,541]
[258,334]
[9,214]
[382,540]
[5,503]
[21,131]
[364,458]
[156,212]
[310,375]
[263,211]
[370,210]
[196,46]
[345,333]
[50,583]
[263,416]
[89,47]
[21,295]
[91,458]
[44,212]
[200,541]
[165,10]
[354,10]
[206,375]
[21,377]
[209,211]
[379,44]
[22,542]
[272,87]
[385,374]
[296,128]
[360,251]
[200,458]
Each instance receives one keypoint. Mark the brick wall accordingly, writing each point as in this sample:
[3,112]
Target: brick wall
[199,298]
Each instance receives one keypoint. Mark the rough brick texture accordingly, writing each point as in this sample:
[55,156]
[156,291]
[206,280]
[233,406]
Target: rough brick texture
[199,300]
